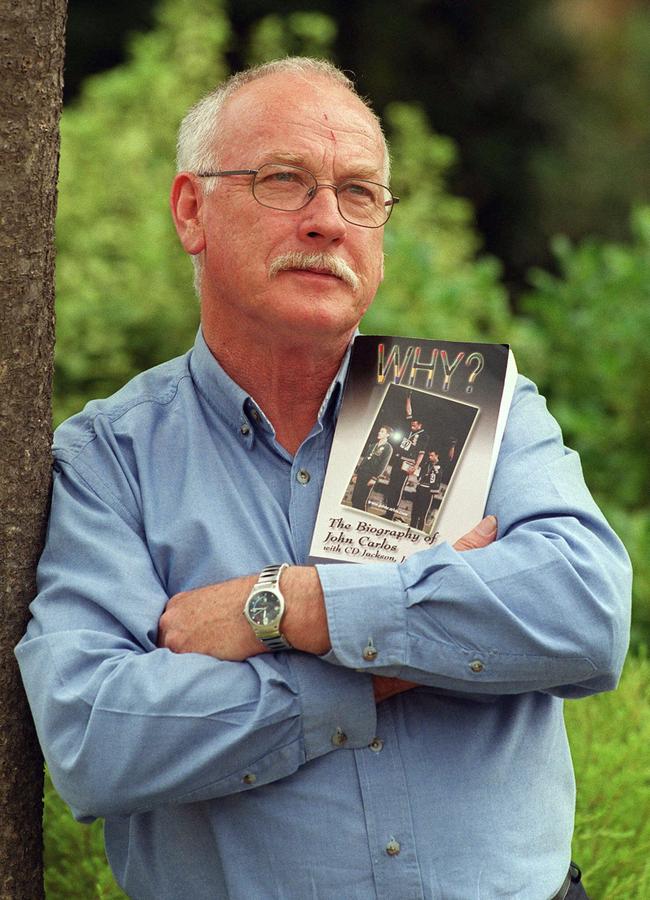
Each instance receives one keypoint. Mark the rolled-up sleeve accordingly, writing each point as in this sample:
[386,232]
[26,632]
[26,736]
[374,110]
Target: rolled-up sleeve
[545,607]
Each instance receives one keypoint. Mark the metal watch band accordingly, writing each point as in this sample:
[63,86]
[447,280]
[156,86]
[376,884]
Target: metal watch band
[278,643]
[270,575]
[270,578]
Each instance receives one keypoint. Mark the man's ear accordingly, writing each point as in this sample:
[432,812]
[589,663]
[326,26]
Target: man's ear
[186,200]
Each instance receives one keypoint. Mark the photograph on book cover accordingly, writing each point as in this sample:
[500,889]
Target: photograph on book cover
[409,457]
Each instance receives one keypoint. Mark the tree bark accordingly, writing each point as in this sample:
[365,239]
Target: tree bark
[31,76]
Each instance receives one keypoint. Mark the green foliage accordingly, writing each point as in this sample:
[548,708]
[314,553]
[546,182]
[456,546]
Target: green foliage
[434,285]
[75,863]
[596,321]
[592,324]
[124,291]
[633,528]
[297,34]
[610,735]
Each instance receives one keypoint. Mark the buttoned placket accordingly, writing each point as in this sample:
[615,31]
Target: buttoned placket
[388,814]
[307,477]
[380,768]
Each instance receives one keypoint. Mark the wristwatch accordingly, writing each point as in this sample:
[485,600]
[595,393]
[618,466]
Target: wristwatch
[265,607]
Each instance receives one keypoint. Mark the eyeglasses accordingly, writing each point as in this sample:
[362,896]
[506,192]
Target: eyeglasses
[289,188]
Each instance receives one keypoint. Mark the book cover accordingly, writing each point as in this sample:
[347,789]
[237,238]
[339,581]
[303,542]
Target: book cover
[415,446]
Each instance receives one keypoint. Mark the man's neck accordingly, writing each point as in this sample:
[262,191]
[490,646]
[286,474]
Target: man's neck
[287,381]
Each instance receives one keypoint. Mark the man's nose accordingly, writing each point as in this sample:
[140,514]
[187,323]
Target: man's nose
[322,221]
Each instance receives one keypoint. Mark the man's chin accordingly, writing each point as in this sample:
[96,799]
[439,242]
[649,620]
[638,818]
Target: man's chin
[319,315]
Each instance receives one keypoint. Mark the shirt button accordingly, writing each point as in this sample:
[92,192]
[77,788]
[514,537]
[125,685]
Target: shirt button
[245,430]
[249,778]
[476,665]
[370,652]
[255,416]
[393,848]
[339,738]
[376,745]
[303,476]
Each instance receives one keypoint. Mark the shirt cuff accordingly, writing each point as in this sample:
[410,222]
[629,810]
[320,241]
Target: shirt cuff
[366,614]
[338,706]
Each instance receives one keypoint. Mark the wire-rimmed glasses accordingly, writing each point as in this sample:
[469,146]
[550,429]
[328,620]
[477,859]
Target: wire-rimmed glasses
[289,188]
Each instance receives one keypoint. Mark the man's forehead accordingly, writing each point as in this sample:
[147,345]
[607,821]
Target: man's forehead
[288,104]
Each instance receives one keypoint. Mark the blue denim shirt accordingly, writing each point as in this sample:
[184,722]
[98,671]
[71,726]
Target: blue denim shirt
[278,777]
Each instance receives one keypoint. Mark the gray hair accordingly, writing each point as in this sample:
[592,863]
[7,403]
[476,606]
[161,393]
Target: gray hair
[198,135]
[197,147]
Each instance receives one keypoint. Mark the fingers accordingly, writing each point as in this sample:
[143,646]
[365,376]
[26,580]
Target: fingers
[480,536]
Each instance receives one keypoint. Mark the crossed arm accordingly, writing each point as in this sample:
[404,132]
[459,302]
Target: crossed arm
[209,619]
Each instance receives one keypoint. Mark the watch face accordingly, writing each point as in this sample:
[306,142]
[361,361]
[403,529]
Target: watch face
[263,608]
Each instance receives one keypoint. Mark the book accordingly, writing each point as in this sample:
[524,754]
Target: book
[415,446]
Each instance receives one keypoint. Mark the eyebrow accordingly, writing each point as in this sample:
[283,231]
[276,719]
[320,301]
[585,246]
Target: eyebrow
[362,170]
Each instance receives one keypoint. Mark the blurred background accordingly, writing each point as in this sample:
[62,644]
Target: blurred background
[520,135]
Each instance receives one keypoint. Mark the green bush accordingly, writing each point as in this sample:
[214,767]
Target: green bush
[434,284]
[75,862]
[595,318]
[610,736]
[124,289]
[589,332]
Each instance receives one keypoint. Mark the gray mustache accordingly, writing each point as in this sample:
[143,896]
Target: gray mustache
[327,261]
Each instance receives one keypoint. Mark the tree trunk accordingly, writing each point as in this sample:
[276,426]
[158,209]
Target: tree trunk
[31,67]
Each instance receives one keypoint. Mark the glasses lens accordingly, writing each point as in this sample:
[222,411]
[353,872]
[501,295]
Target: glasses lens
[365,203]
[283,187]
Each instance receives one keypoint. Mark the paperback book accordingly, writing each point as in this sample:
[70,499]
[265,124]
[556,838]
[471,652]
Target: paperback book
[415,446]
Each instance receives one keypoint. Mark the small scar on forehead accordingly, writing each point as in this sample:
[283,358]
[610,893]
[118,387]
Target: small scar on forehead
[332,135]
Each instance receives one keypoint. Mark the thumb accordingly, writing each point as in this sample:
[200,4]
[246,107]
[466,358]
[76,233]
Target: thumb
[480,536]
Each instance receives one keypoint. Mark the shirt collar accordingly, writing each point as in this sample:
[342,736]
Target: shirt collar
[237,407]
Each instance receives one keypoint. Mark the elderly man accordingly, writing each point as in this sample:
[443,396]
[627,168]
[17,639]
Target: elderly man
[250,726]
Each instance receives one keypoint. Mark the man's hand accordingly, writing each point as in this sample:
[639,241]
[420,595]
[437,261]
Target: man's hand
[480,536]
[210,620]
